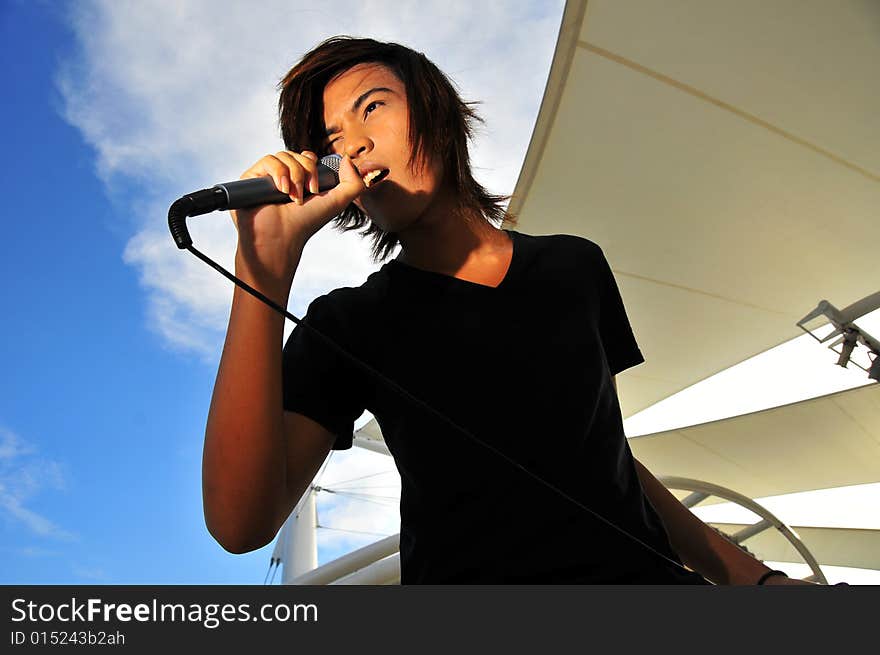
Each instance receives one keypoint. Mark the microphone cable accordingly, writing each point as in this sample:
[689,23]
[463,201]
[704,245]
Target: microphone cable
[190,205]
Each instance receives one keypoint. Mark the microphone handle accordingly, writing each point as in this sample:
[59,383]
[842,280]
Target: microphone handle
[240,194]
[257,191]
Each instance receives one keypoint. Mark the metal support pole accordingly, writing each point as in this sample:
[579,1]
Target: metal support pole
[300,539]
[385,571]
[353,561]
[694,498]
[751,530]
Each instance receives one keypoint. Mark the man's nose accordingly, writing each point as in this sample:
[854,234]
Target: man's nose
[357,145]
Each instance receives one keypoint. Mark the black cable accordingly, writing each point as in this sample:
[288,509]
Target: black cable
[362,477]
[324,467]
[358,488]
[374,534]
[355,494]
[406,394]
[363,500]
[271,564]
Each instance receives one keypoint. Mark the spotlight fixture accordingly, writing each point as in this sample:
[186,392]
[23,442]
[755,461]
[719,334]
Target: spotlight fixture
[849,335]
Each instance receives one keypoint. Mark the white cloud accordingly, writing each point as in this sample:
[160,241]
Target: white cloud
[361,504]
[177,96]
[12,447]
[23,476]
[37,551]
[95,574]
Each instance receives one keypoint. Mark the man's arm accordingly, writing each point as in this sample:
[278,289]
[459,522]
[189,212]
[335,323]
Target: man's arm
[699,546]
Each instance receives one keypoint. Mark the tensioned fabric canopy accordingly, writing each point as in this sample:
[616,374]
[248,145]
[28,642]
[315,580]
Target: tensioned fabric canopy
[825,442]
[830,546]
[821,443]
[725,156]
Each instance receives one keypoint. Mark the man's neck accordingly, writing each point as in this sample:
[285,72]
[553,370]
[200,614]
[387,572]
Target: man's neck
[450,240]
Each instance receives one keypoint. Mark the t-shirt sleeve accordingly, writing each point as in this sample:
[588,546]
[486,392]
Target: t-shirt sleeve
[621,350]
[317,380]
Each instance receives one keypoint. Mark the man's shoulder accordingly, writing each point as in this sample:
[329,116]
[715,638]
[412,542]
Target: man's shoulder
[348,303]
[564,250]
[562,243]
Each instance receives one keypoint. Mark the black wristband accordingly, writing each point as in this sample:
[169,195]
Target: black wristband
[764,577]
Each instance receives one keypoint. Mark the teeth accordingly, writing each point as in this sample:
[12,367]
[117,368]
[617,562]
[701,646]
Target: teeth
[369,177]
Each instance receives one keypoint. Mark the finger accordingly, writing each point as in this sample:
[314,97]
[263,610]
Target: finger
[350,186]
[309,168]
[297,174]
[314,184]
[273,167]
[349,174]
[293,176]
[334,201]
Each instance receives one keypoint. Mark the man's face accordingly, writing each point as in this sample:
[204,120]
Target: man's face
[367,117]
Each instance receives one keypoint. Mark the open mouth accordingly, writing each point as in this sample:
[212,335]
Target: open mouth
[373,178]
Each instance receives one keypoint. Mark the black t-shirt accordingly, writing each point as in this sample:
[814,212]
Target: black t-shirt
[526,367]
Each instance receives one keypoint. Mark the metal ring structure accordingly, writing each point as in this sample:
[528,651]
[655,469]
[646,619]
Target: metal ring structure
[700,491]
[379,563]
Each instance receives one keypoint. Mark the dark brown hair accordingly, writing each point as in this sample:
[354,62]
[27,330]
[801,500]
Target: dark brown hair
[440,122]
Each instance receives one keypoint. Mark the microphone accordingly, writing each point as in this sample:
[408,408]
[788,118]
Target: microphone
[241,194]
[257,191]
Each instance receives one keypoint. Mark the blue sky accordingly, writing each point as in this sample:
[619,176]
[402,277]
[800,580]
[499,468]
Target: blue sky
[110,336]
[108,419]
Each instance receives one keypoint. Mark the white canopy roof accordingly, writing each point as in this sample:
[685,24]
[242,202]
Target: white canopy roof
[726,157]
[831,441]
[826,442]
[830,546]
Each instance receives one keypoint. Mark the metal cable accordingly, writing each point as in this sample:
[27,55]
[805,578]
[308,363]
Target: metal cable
[417,401]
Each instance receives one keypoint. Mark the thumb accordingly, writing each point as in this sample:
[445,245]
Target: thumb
[348,173]
[350,186]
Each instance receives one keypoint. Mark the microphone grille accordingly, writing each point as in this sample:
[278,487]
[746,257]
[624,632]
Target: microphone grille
[332,162]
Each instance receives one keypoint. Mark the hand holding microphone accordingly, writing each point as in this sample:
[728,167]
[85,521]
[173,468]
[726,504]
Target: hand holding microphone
[263,190]
[270,211]
[280,203]
[275,181]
